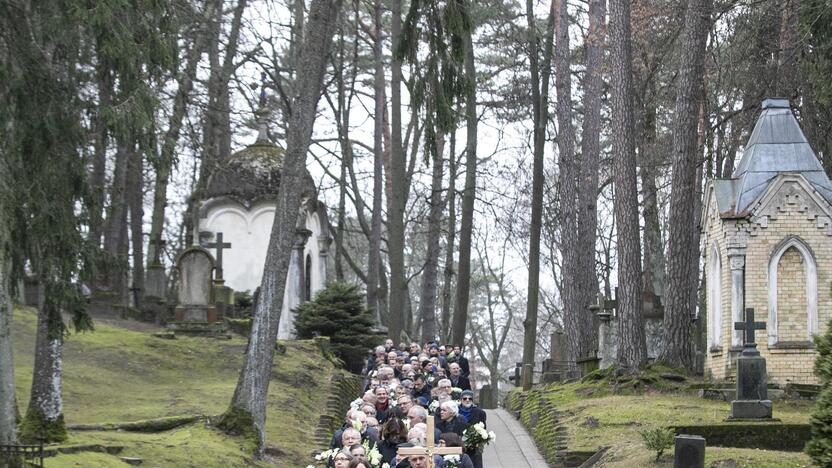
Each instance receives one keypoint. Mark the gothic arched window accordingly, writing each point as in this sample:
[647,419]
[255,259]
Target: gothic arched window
[792,293]
[714,297]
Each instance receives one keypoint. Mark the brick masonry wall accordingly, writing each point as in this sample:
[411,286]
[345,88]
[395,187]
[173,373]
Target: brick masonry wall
[775,223]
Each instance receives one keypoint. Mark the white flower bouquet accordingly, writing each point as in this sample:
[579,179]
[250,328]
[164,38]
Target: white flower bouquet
[452,461]
[373,455]
[475,438]
[434,405]
[322,459]
[356,404]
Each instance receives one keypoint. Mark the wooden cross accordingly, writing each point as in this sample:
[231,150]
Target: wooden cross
[430,450]
[749,326]
[220,246]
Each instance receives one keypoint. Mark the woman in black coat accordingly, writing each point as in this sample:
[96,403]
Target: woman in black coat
[472,415]
[449,419]
[393,433]
[449,439]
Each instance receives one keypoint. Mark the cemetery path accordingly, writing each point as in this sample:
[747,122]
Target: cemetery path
[514,447]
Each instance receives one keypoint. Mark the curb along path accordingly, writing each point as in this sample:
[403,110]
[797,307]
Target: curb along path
[514,447]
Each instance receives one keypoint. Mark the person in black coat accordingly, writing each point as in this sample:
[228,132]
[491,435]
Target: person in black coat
[421,388]
[472,415]
[449,419]
[457,379]
[393,434]
[449,439]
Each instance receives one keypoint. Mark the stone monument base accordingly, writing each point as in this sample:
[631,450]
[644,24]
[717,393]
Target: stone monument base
[196,313]
[750,409]
[214,330]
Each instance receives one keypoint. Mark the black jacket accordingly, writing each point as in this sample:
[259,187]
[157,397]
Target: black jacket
[477,415]
[456,425]
[462,382]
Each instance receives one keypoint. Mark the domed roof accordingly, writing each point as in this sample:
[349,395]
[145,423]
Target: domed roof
[249,174]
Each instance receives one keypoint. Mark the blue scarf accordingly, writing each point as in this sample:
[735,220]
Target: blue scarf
[466,412]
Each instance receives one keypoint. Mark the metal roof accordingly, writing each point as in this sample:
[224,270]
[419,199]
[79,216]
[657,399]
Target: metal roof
[776,146]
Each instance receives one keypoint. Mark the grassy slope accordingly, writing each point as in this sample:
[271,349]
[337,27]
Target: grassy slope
[119,375]
[620,417]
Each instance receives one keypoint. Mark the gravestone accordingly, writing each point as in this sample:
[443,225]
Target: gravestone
[155,278]
[752,394]
[223,295]
[689,451]
[195,294]
[487,397]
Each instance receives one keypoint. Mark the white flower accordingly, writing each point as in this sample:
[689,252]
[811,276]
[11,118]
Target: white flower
[456,390]
[310,466]
[492,436]
[386,465]
[452,458]
[318,457]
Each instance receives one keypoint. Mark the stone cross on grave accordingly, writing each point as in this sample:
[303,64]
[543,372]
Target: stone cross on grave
[749,326]
[430,450]
[220,246]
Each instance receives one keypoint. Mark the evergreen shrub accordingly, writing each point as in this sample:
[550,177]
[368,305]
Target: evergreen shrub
[338,312]
[820,446]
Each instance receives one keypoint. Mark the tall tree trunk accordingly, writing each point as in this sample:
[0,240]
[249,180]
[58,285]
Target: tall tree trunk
[99,162]
[395,215]
[681,292]
[247,411]
[448,278]
[114,228]
[45,415]
[167,155]
[135,201]
[572,312]
[632,347]
[8,403]
[469,194]
[427,299]
[374,254]
[590,151]
[653,265]
[540,117]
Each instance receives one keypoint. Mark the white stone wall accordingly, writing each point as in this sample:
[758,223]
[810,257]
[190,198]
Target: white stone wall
[248,231]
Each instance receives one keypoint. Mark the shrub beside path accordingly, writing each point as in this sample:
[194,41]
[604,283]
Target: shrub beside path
[514,447]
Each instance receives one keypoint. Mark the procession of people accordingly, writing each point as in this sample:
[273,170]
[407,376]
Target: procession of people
[409,389]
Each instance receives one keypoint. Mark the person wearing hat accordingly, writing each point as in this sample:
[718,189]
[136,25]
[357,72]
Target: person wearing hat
[468,410]
[472,414]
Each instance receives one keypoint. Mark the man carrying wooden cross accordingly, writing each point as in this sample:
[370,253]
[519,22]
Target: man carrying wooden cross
[423,457]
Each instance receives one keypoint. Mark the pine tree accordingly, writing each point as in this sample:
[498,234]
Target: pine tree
[820,446]
[338,312]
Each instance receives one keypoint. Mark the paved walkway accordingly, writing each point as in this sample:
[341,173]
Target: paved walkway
[514,447]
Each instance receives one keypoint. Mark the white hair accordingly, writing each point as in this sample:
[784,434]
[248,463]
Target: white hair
[450,406]
[417,435]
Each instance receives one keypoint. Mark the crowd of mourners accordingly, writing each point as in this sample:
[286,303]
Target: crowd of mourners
[403,385]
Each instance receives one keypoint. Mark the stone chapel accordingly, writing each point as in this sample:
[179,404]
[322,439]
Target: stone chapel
[239,203]
[767,245]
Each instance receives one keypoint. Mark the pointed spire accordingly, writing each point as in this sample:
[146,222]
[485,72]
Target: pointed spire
[262,114]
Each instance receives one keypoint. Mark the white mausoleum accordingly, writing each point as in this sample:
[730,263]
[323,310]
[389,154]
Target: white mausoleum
[767,245]
[239,202]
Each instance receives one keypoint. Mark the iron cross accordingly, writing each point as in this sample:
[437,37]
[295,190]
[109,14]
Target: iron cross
[220,246]
[749,326]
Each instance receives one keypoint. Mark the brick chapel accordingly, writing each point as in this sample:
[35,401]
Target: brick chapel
[767,245]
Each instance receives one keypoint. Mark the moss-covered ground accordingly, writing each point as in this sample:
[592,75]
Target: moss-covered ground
[122,373]
[598,413]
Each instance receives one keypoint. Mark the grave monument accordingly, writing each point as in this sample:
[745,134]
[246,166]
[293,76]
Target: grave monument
[752,393]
